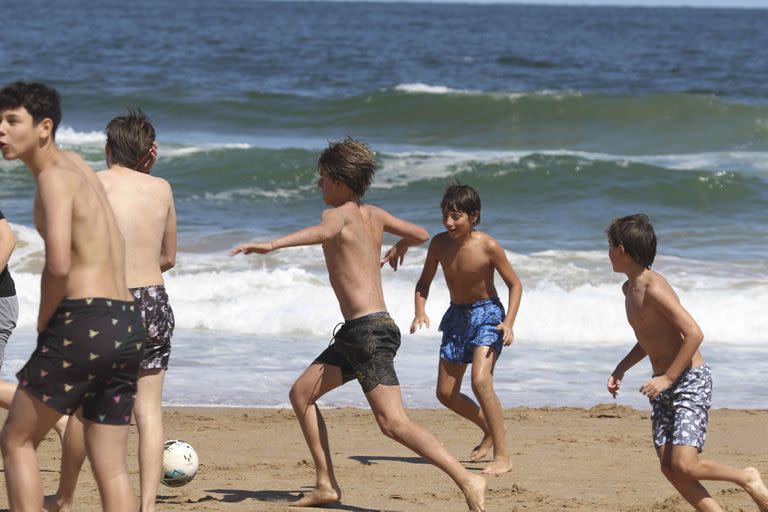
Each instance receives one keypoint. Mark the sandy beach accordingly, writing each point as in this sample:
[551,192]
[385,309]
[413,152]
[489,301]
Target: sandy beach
[597,459]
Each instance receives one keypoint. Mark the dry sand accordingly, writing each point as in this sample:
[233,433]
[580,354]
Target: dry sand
[598,459]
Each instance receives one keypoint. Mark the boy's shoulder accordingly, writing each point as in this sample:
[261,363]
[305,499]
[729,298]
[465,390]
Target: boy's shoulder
[61,174]
[154,184]
[487,241]
[657,285]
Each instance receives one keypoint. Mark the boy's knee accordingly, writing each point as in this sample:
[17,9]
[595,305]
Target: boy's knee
[482,384]
[682,468]
[7,440]
[676,469]
[443,396]
[392,427]
[297,396]
[3,440]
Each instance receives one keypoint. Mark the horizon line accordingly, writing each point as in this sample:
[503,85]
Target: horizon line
[682,4]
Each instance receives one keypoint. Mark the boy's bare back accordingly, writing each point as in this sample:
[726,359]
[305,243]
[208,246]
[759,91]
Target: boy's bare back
[655,314]
[468,267]
[353,258]
[143,209]
[73,216]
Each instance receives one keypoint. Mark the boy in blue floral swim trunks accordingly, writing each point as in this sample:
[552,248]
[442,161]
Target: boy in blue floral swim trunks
[681,388]
[475,327]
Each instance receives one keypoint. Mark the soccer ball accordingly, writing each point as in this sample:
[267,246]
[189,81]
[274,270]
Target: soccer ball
[179,463]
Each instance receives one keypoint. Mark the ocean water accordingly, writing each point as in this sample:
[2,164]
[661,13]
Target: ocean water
[561,117]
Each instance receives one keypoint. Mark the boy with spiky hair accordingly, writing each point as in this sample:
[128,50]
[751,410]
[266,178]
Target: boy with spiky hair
[680,390]
[475,327]
[90,334]
[364,347]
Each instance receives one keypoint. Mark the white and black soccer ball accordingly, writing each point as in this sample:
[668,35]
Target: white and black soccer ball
[179,463]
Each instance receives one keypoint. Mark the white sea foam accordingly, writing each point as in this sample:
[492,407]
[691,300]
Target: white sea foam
[67,136]
[422,88]
[174,151]
[257,321]
[258,192]
[94,140]
[571,297]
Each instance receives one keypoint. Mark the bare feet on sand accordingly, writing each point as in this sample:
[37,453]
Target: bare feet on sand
[498,466]
[318,496]
[481,450]
[756,489]
[474,492]
[53,504]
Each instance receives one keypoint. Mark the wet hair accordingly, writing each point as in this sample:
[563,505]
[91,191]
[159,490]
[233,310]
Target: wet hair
[350,162]
[634,233]
[461,198]
[130,138]
[41,101]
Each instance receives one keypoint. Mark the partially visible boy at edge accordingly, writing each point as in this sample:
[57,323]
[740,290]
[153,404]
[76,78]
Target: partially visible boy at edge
[680,390]
[475,327]
[364,348]
[90,334]
[145,214]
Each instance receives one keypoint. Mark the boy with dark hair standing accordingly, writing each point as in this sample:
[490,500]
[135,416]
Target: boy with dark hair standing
[144,211]
[364,348]
[90,334]
[680,391]
[475,327]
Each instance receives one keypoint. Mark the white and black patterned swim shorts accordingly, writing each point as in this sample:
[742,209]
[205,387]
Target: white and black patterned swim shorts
[680,413]
[157,315]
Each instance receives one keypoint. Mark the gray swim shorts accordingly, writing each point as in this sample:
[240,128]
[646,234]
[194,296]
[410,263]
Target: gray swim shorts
[9,314]
[680,413]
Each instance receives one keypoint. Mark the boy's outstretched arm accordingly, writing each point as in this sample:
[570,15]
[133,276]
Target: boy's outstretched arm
[663,298]
[631,359]
[422,288]
[410,234]
[504,268]
[330,226]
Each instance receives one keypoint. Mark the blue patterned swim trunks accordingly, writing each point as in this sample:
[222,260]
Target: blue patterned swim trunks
[466,326]
[680,413]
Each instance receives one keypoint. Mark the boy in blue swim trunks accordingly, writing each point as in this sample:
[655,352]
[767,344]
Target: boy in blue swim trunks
[364,348]
[475,327]
[680,391]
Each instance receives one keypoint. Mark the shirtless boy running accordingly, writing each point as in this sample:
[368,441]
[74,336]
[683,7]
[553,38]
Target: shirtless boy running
[364,347]
[680,391]
[475,327]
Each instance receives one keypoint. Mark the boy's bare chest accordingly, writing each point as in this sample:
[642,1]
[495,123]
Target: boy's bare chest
[465,262]
[640,315]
